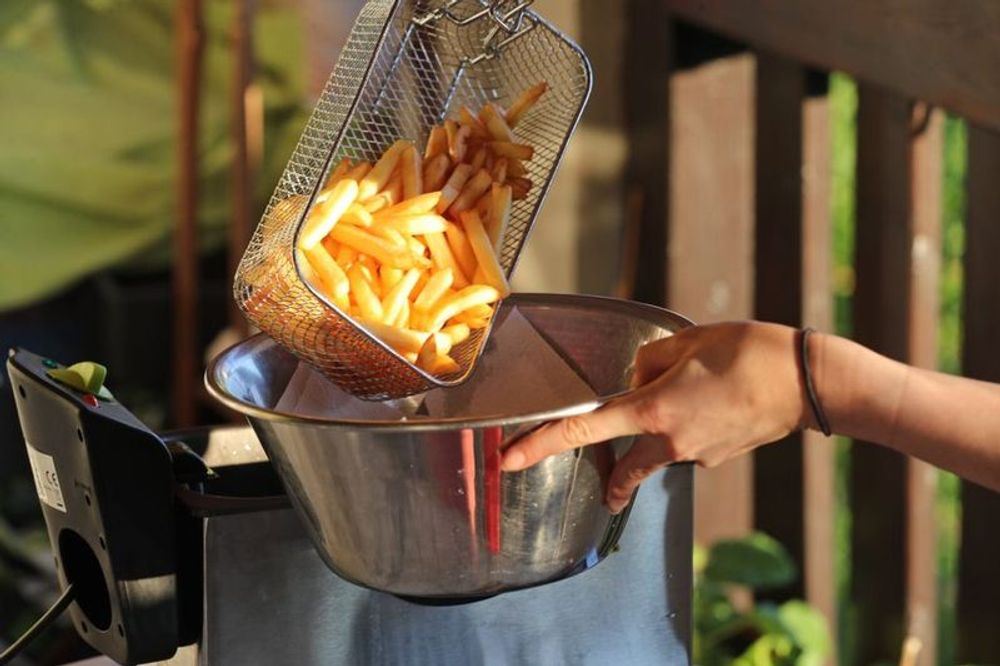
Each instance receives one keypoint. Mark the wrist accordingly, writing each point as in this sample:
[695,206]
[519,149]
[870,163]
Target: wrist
[856,387]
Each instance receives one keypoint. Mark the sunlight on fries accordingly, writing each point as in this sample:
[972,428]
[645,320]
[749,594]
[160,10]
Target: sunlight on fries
[410,246]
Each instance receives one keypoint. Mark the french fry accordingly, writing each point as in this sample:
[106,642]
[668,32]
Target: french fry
[472,122]
[392,235]
[416,247]
[483,249]
[361,289]
[371,277]
[516,169]
[411,167]
[437,143]
[457,333]
[445,365]
[485,208]
[357,214]
[495,123]
[466,298]
[454,186]
[428,354]
[377,248]
[359,171]
[517,151]
[442,257]
[345,256]
[474,323]
[389,278]
[331,275]
[499,171]
[325,216]
[481,311]
[371,267]
[475,188]
[393,302]
[479,160]
[443,342]
[439,282]
[339,172]
[425,223]
[458,138]
[523,103]
[460,248]
[403,340]
[501,198]
[425,203]
[520,187]
[379,176]
[436,172]
[393,189]
[403,320]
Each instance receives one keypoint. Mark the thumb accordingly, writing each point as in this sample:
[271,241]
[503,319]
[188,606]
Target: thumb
[616,419]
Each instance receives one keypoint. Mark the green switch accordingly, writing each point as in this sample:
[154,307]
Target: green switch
[86,376]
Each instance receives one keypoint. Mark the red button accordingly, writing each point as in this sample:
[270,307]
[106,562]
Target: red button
[90,400]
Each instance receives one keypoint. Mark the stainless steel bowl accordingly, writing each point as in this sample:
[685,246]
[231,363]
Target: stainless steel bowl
[418,507]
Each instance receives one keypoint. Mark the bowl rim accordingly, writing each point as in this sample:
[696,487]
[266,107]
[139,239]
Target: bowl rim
[215,387]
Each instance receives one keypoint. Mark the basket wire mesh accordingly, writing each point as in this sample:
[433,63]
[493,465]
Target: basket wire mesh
[407,65]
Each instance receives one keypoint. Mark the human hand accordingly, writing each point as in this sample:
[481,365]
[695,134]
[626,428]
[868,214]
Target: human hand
[707,394]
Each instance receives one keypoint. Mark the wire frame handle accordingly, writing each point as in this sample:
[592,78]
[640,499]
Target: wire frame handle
[510,24]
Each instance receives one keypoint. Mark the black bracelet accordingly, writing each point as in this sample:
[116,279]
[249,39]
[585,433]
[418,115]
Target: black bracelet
[817,408]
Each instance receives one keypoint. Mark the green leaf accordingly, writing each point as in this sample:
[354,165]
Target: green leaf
[757,561]
[808,627]
[769,650]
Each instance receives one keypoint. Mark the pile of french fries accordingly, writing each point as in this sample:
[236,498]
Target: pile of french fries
[409,247]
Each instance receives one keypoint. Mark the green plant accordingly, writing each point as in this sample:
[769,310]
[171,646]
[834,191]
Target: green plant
[788,634]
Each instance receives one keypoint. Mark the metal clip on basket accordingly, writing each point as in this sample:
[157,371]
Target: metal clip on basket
[406,66]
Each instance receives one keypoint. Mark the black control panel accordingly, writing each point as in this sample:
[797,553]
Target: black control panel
[106,486]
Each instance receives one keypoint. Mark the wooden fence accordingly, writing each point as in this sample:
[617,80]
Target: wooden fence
[731,154]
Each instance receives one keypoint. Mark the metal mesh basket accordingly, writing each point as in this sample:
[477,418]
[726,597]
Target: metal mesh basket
[407,65]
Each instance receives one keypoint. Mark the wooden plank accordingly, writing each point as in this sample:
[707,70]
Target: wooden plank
[921,483]
[778,284]
[710,200]
[648,64]
[245,129]
[818,452]
[946,52]
[979,582]
[880,322]
[189,46]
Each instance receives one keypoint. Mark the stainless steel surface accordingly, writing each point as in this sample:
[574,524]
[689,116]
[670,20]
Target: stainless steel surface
[404,68]
[420,507]
[270,600]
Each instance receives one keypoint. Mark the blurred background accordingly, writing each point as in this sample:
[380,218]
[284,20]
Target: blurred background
[793,163]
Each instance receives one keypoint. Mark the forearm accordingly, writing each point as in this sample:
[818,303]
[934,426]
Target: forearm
[948,421]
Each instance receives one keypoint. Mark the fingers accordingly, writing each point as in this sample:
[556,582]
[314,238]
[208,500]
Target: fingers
[655,358]
[647,455]
[615,419]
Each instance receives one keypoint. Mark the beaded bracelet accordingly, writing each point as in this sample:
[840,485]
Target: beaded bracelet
[817,408]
